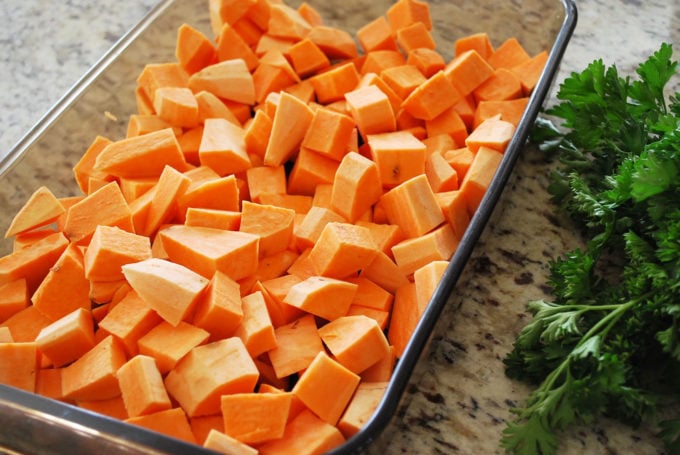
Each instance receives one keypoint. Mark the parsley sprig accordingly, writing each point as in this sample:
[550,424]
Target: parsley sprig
[609,341]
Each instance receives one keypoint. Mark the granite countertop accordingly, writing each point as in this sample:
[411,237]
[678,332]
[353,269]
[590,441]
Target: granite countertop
[461,398]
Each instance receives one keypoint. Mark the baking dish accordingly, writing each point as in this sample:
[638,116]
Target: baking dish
[100,103]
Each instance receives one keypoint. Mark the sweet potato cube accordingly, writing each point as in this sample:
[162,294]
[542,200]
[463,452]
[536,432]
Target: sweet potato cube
[255,418]
[399,156]
[18,365]
[93,376]
[167,344]
[206,250]
[67,338]
[64,288]
[141,386]
[342,250]
[328,298]
[172,290]
[357,342]
[298,343]
[220,310]
[413,207]
[326,387]
[111,248]
[209,371]
[40,209]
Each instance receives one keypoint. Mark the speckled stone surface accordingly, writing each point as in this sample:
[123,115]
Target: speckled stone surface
[460,398]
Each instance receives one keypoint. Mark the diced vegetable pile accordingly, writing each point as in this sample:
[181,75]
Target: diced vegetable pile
[245,267]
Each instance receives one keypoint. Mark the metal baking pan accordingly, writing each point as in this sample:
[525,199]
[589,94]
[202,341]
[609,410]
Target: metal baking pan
[100,103]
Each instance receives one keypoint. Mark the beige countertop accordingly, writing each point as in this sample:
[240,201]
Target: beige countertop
[460,397]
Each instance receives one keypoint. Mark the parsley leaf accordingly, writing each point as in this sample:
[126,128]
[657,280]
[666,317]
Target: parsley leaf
[609,342]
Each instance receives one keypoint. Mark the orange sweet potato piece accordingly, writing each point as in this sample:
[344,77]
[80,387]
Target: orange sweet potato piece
[356,186]
[332,84]
[64,288]
[329,133]
[305,433]
[357,342]
[177,106]
[287,22]
[454,208]
[220,442]
[404,318]
[343,250]
[328,298]
[18,365]
[155,75]
[432,97]
[298,343]
[479,41]
[67,338]
[106,206]
[371,110]
[530,71]
[428,61]
[93,375]
[109,249]
[289,126]
[13,298]
[223,147]
[510,53]
[141,156]
[309,230]
[492,133]
[229,79]
[273,225]
[502,85]
[468,70]
[256,329]
[227,11]
[479,177]
[209,371]
[193,50]
[307,58]
[377,35]
[206,250]
[230,46]
[310,171]
[440,174]
[33,262]
[210,106]
[509,110]
[415,36]
[26,324]
[255,418]
[413,207]
[399,156]
[364,403]
[141,386]
[127,321]
[413,253]
[257,133]
[84,168]
[168,344]
[334,42]
[170,422]
[406,12]
[227,220]
[171,289]
[40,209]
[326,387]
[220,309]
[427,279]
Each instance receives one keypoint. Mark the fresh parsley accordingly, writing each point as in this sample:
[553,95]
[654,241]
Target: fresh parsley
[609,341]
